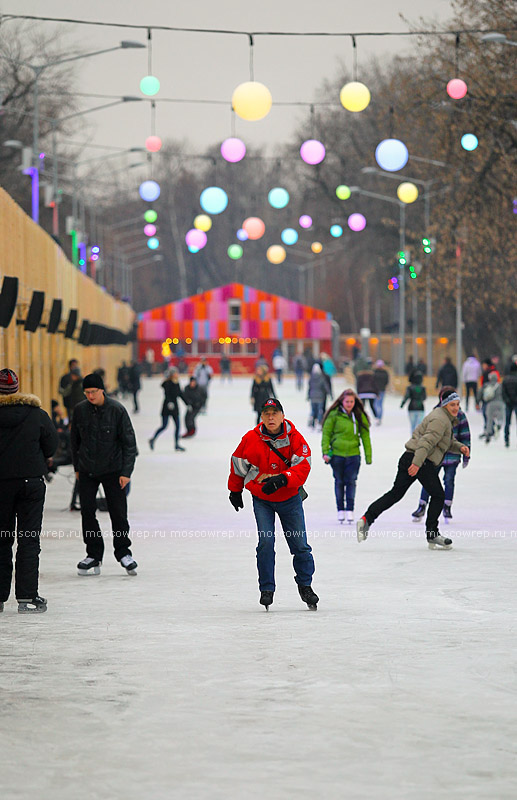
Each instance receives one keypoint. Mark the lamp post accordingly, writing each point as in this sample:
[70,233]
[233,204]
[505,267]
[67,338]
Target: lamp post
[38,69]
[498,38]
[427,201]
[402,281]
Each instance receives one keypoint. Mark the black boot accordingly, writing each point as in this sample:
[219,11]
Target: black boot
[309,597]
[266,599]
[36,606]
[419,513]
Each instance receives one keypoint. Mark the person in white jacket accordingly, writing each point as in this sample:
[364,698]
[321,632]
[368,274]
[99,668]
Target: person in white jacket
[470,373]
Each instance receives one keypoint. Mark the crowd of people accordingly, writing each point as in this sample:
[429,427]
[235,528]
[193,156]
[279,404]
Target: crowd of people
[91,430]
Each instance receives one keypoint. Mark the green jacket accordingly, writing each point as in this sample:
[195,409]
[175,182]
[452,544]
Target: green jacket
[433,438]
[340,435]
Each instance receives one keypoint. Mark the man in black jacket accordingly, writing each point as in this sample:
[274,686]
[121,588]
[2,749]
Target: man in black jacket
[27,439]
[509,394]
[104,452]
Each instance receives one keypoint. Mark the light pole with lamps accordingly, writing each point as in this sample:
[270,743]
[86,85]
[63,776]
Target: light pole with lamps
[402,282]
[428,304]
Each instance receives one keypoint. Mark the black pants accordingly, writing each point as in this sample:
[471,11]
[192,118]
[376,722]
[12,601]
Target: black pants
[427,475]
[21,501]
[470,387]
[165,422]
[117,508]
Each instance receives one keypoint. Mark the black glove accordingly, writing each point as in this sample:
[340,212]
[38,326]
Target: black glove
[274,484]
[236,500]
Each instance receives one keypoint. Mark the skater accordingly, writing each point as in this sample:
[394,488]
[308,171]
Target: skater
[509,394]
[194,397]
[299,369]
[273,462]
[317,395]
[172,392]
[447,374]
[345,426]
[261,390]
[329,370]
[492,397]
[225,365]
[416,395]
[104,452]
[381,378]
[367,386]
[27,439]
[203,375]
[450,464]
[135,385]
[471,373]
[279,365]
[423,455]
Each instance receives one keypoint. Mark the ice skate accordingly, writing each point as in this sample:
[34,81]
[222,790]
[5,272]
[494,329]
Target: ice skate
[1,607]
[89,566]
[36,606]
[179,447]
[419,513]
[350,517]
[340,517]
[439,542]
[129,564]
[362,529]
[309,597]
[266,599]
[447,512]
[151,444]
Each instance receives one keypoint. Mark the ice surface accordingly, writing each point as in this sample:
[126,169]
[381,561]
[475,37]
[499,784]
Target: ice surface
[177,684]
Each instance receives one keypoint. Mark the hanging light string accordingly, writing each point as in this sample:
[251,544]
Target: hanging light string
[153,104]
[230,32]
[457,55]
[354,52]
[252,72]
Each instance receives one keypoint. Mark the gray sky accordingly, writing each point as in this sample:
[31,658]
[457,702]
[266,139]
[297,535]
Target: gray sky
[200,65]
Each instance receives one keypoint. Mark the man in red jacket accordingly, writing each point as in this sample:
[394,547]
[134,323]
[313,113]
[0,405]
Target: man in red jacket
[273,461]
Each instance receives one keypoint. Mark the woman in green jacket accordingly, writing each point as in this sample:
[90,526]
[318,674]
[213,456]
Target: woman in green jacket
[345,425]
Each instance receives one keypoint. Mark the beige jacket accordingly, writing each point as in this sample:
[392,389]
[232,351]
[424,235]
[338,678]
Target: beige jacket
[433,438]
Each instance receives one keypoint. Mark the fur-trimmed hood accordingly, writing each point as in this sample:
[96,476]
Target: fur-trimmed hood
[15,408]
[19,399]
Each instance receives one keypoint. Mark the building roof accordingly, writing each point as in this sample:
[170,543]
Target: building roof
[262,316]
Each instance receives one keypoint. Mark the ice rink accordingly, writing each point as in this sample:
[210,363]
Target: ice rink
[177,684]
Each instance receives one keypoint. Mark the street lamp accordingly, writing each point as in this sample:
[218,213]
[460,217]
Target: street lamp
[402,248]
[428,305]
[498,38]
[38,69]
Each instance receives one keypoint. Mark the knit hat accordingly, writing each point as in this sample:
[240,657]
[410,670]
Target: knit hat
[93,381]
[379,363]
[8,382]
[273,403]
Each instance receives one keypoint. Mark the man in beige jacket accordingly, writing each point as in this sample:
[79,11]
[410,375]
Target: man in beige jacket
[421,460]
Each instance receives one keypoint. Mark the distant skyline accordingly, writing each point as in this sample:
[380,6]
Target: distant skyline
[203,66]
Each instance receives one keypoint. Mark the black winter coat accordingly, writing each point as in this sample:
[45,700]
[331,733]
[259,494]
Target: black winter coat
[260,392]
[510,389]
[172,392]
[194,396]
[103,439]
[27,437]
[447,376]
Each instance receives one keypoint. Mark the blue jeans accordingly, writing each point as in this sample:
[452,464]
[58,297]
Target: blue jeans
[449,474]
[317,412]
[378,403]
[293,524]
[415,418]
[345,469]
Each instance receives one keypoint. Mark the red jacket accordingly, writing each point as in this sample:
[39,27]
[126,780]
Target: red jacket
[253,457]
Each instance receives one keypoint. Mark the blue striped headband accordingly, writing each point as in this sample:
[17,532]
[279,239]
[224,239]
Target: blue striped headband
[450,399]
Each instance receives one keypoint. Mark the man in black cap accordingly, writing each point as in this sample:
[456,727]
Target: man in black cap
[27,439]
[104,452]
[273,461]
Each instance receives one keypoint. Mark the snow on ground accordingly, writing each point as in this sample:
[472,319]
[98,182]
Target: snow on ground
[177,684]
